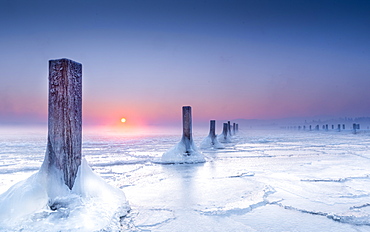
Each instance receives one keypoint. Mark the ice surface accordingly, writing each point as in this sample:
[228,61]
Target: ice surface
[263,181]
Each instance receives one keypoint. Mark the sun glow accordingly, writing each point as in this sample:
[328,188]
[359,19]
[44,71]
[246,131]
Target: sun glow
[123,120]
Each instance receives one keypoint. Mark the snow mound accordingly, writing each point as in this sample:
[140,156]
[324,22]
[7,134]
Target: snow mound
[185,152]
[224,138]
[208,142]
[44,203]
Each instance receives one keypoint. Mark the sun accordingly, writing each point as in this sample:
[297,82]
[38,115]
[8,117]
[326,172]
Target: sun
[123,120]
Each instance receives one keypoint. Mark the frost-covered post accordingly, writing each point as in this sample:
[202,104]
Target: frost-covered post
[65,118]
[212,129]
[185,151]
[225,130]
[187,127]
[229,127]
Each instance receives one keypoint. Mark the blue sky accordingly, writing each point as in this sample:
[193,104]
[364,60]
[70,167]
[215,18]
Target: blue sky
[144,60]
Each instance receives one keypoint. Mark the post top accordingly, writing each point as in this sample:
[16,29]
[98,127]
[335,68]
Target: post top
[64,60]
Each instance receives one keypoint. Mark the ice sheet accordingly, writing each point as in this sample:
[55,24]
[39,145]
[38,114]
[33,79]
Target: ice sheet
[261,181]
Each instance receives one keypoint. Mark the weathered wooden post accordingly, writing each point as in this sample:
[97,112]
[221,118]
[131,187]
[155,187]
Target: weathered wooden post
[225,131]
[237,127]
[65,118]
[229,127]
[185,151]
[326,127]
[234,128]
[187,128]
[339,127]
[212,131]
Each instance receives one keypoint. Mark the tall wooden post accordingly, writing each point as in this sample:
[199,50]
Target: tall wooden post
[234,128]
[187,128]
[65,118]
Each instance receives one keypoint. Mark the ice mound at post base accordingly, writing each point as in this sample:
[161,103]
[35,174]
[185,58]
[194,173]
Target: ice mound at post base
[44,203]
[180,155]
[209,143]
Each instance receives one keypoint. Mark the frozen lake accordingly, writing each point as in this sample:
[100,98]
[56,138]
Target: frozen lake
[262,181]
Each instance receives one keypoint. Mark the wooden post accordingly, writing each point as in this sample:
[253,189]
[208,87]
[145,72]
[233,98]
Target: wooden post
[237,127]
[338,127]
[229,127]
[225,130]
[234,129]
[212,130]
[65,118]
[187,128]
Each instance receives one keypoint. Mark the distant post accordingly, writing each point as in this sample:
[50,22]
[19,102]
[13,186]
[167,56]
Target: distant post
[65,118]
[237,127]
[187,127]
[229,127]
[212,130]
[339,127]
[234,128]
[225,130]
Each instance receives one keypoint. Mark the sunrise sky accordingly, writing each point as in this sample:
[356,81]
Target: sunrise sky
[144,60]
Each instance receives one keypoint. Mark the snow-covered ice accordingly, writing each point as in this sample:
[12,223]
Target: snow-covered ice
[262,181]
